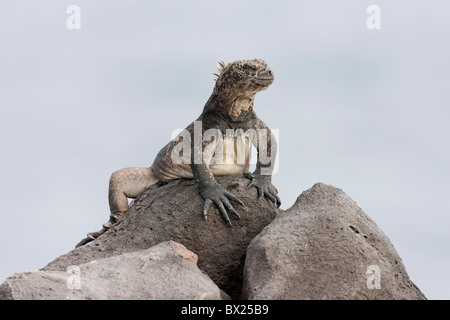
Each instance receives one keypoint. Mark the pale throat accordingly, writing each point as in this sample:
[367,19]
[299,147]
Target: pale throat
[240,105]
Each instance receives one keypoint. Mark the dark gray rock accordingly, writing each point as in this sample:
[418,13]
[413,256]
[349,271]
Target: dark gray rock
[173,212]
[325,247]
[165,271]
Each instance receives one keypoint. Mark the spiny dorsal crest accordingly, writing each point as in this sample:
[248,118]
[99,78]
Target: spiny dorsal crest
[220,67]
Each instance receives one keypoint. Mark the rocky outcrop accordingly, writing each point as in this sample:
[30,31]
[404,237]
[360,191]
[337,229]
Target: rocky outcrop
[165,271]
[173,212]
[325,247]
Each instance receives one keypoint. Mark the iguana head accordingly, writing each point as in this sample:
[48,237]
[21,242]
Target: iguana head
[243,77]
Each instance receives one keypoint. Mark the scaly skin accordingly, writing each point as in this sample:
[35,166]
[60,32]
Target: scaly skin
[230,107]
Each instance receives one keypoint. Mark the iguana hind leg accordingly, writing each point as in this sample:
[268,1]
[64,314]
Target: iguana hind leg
[126,183]
[123,184]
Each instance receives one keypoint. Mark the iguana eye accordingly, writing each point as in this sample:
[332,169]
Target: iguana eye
[250,68]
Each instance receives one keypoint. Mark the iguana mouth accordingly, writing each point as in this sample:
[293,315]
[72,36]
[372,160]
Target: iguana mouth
[263,79]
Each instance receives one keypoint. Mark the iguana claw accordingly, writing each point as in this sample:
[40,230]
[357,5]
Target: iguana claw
[264,186]
[219,196]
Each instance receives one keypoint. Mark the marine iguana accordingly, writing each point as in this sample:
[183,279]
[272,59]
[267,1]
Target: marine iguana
[217,143]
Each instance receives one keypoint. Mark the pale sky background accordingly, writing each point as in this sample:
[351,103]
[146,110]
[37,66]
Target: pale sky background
[363,110]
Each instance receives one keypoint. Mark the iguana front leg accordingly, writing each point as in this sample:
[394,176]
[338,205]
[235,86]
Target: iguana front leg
[210,190]
[213,192]
[261,178]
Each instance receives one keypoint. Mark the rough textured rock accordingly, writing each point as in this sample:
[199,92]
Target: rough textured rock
[173,212]
[165,271]
[325,247]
